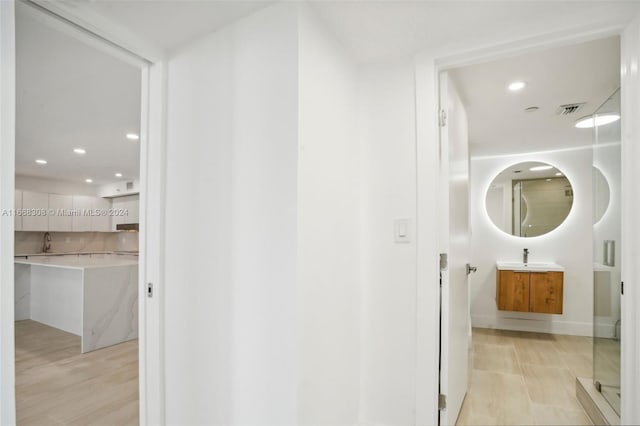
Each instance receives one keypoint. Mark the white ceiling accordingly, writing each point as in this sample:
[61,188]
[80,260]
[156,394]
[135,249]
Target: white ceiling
[378,30]
[71,95]
[498,123]
[170,24]
[371,30]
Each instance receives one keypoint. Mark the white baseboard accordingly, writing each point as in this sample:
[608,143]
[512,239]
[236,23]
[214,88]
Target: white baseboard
[542,325]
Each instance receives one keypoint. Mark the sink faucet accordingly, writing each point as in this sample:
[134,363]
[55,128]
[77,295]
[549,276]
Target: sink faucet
[525,256]
[46,242]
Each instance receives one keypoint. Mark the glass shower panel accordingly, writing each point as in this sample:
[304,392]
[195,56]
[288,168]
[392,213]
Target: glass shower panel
[606,243]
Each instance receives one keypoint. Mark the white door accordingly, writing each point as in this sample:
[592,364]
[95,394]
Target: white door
[455,324]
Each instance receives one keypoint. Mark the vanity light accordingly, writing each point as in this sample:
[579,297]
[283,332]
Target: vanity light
[539,168]
[89,180]
[598,120]
[517,85]
[79,151]
[133,136]
[39,161]
[118,175]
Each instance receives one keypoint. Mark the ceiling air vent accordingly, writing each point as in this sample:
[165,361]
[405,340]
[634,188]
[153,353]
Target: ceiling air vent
[569,108]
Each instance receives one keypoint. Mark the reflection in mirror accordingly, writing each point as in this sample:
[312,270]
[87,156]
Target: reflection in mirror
[529,199]
[601,195]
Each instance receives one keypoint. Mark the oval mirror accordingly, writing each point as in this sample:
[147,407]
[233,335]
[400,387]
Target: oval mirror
[529,199]
[601,195]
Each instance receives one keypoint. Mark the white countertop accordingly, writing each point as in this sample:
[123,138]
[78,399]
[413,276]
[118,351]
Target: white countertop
[74,253]
[529,267]
[80,262]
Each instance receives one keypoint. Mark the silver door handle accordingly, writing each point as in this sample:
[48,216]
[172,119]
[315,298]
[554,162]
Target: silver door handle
[471,269]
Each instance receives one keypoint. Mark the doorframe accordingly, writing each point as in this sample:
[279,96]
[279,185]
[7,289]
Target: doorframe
[428,66]
[152,199]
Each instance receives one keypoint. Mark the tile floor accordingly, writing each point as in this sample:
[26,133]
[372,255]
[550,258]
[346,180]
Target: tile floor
[521,378]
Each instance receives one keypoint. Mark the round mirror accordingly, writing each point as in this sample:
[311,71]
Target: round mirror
[601,195]
[529,199]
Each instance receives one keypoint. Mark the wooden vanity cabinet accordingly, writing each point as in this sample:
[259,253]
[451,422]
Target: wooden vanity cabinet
[513,291]
[521,291]
[546,292]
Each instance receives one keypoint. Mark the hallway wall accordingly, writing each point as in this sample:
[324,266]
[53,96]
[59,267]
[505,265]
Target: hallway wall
[263,208]
[328,280]
[387,133]
[231,224]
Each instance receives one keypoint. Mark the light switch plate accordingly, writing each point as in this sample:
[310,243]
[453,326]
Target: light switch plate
[402,230]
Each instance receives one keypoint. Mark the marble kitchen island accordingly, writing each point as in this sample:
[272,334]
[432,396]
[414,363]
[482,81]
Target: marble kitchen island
[94,297]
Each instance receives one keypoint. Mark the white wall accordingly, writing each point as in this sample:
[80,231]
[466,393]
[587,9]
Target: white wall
[231,224]
[328,302]
[387,133]
[569,245]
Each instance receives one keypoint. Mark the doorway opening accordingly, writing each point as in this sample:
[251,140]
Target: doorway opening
[542,221]
[78,186]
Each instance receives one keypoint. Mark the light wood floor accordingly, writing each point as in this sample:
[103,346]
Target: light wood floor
[57,385]
[523,378]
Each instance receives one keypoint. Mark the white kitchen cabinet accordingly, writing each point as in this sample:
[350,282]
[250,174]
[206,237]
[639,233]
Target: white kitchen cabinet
[35,206]
[17,206]
[130,203]
[58,206]
[82,221]
[102,222]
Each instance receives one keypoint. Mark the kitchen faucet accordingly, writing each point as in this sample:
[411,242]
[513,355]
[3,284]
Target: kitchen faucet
[46,242]
[525,256]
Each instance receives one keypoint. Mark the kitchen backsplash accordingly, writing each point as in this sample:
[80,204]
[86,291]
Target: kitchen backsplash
[29,242]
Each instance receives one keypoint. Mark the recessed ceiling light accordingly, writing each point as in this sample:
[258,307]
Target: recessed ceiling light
[118,174]
[517,85]
[40,161]
[133,136]
[558,174]
[598,120]
[539,168]
[79,151]
[89,180]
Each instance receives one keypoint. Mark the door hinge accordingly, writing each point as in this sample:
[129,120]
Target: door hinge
[622,287]
[149,289]
[444,261]
[442,402]
[442,118]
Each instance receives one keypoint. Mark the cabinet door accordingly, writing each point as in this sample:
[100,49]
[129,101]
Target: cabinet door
[129,203]
[513,291]
[35,203]
[133,204]
[546,292]
[57,219]
[17,206]
[101,223]
[81,222]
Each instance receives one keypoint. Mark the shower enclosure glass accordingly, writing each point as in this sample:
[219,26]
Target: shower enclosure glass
[606,243]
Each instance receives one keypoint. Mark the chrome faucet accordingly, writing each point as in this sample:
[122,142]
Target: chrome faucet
[525,256]
[46,242]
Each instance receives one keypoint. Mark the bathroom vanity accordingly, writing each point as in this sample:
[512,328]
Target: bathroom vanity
[531,287]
